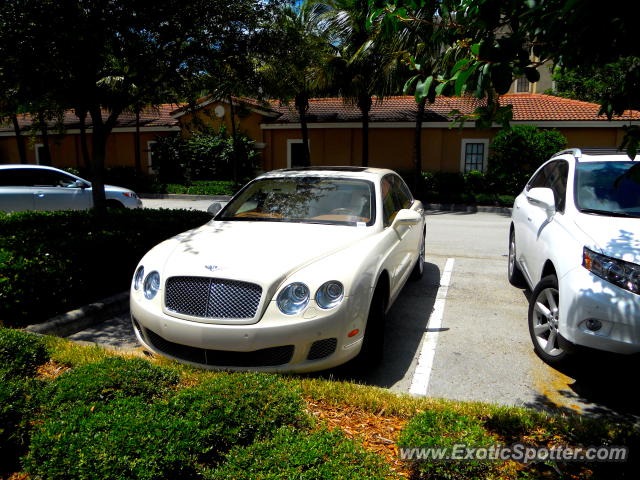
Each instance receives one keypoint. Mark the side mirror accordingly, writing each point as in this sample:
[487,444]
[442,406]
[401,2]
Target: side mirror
[214,208]
[79,184]
[407,217]
[543,198]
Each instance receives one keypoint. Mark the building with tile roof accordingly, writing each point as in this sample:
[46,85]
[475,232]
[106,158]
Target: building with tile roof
[335,131]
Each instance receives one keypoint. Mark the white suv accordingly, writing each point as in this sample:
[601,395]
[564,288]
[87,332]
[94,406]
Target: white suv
[575,240]
[36,187]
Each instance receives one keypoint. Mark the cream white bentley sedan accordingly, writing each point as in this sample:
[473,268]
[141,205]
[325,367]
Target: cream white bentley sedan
[295,273]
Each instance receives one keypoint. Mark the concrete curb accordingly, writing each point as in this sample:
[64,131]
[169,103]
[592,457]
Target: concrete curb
[176,196]
[84,317]
[450,207]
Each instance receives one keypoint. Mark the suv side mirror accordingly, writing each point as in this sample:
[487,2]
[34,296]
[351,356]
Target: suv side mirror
[543,198]
[214,208]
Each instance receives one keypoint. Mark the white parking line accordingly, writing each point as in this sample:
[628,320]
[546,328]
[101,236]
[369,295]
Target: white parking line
[422,374]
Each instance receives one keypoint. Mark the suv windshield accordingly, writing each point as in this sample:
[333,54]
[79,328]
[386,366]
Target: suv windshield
[334,201]
[608,188]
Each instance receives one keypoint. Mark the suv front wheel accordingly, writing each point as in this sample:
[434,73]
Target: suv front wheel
[544,315]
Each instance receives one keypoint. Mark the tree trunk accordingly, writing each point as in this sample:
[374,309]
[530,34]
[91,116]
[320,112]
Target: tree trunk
[236,157]
[302,105]
[100,135]
[22,153]
[136,142]
[82,116]
[417,161]
[364,104]
[44,132]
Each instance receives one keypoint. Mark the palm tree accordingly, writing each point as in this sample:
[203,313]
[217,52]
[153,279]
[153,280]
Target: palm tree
[359,69]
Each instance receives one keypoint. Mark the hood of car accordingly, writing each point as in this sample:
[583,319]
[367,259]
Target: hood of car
[114,189]
[615,236]
[259,252]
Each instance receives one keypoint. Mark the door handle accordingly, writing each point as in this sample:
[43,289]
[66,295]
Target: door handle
[529,218]
[40,195]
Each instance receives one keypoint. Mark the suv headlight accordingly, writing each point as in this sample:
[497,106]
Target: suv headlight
[151,285]
[329,294]
[623,274]
[293,298]
[137,278]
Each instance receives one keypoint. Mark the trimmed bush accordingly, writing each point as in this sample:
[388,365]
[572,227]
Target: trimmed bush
[204,187]
[124,439]
[17,406]
[51,262]
[21,353]
[236,408]
[289,454]
[130,438]
[111,378]
[444,430]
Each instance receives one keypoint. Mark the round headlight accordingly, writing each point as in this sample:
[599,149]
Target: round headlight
[151,285]
[330,294]
[137,278]
[293,298]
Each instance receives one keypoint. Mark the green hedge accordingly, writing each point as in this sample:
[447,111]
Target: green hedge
[108,379]
[21,353]
[441,429]
[177,437]
[204,187]
[321,455]
[52,262]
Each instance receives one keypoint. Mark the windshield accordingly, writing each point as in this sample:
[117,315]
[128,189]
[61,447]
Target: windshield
[608,188]
[334,201]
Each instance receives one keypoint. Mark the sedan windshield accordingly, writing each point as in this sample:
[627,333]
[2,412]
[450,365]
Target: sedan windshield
[608,188]
[335,201]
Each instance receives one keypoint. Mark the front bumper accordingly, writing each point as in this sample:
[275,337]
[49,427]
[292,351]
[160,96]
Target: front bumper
[313,340]
[585,297]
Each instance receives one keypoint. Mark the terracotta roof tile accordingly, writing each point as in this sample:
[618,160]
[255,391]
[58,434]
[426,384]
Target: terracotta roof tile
[526,107]
[149,117]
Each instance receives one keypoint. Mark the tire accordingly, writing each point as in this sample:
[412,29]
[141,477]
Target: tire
[418,269]
[373,342]
[514,274]
[543,323]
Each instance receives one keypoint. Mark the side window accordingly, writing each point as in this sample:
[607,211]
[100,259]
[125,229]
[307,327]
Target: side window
[557,174]
[19,177]
[49,178]
[388,202]
[403,196]
[538,180]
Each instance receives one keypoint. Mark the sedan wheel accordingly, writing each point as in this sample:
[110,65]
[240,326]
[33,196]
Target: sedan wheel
[544,315]
[418,269]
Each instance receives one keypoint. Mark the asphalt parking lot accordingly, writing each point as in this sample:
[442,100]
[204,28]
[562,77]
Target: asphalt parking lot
[461,332]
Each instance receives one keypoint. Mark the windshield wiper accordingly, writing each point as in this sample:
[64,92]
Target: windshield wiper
[607,213]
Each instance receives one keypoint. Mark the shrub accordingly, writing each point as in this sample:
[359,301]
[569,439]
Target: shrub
[215,187]
[94,256]
[204,155]
[443,187]
[123,439]
[17,405]
[111,378]
[21,353]
[235,409]
[475,182]
[506,200]
[303,456]
[432,429]
[517,152]
[486,199]
[130,438]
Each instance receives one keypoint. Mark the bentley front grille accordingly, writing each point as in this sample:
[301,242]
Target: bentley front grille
[212,297]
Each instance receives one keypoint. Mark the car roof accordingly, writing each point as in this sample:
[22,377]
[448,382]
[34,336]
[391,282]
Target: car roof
[27,165]
[330,171]
[595,154]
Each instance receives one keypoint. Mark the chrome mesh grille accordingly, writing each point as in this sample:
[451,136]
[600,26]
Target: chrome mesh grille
[212,297]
